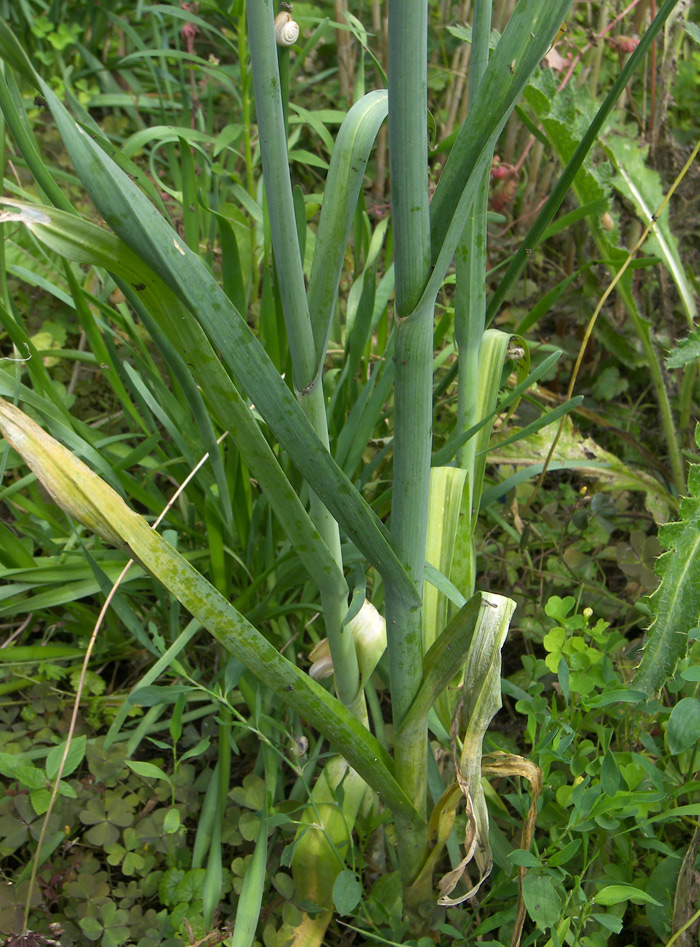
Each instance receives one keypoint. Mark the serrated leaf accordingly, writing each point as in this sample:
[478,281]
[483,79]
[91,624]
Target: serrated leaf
[686,351]
[642,186]
[693,30]
[676,602]
[189,888]
[565,116]
[167,886]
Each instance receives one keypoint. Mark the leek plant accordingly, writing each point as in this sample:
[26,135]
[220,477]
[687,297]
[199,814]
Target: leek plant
[421,562]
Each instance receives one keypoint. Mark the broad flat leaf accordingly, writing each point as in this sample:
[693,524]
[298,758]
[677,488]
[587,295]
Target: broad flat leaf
[147,770]
[523,858]
[325,833]
[168,884]
[347,892]
[30,777]
[189,888]
[616,894]
[74,758]
[541,900]
[172,821]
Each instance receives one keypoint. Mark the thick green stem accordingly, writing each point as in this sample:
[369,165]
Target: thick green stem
[278,187]
[408,151]
[271,112]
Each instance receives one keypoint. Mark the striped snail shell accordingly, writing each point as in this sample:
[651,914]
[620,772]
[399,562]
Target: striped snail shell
[286,29]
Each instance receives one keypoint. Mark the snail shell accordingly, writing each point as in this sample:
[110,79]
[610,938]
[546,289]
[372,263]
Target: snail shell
[286,29]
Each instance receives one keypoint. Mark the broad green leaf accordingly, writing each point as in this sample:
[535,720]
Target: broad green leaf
[147,770]
[172,821]
[74,758]
[40,800]
[9,762]
[616,894]
[565,118]
[693,30]
[541,900]
[30,777]
[524,858]
[347,892]
[609,921]
[325,831]
[609,774]
[561,188]
[198,748]
[168,885]
[565,854]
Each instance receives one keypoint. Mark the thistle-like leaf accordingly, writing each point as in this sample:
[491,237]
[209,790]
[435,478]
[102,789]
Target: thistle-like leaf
[676,602]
